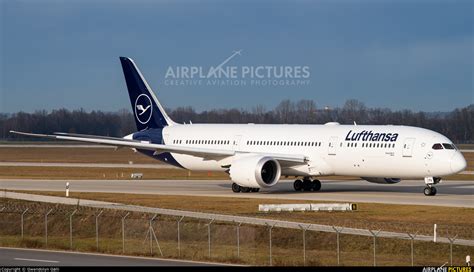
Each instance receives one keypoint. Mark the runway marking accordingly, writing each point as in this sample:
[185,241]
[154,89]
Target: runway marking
[116,256]
[36,260]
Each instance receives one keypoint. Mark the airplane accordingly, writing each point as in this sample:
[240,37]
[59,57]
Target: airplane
[257,155]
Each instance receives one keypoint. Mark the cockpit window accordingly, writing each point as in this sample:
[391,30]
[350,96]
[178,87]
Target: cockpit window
[448,146]
[437,146]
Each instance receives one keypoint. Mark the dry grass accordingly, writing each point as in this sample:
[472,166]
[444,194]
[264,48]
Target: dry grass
[469,156]
[390,217]
[73,155]
[61,173]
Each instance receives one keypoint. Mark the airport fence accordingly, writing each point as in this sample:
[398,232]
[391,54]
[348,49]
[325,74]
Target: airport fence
[114,231]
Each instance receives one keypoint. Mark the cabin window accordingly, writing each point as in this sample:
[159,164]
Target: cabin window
[437,146]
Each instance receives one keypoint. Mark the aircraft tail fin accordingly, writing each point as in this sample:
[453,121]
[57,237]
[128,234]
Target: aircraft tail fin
[146,108]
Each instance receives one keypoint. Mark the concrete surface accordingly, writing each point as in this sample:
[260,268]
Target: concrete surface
[450,193]
[36,257]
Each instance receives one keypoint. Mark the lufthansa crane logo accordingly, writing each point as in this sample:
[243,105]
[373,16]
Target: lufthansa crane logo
[143,108]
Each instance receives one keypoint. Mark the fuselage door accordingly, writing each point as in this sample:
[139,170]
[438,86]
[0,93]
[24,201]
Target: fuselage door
[408,147]
[332,145]
[236,142]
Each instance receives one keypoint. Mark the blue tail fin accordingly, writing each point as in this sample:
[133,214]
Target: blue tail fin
[147,109]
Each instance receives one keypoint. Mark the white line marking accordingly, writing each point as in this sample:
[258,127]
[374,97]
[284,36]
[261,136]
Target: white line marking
[36,260]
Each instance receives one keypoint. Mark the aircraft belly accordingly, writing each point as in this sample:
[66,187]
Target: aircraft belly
[197,163]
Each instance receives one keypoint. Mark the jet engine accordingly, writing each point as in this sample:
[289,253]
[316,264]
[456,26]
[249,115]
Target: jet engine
[255,171]
[383,180]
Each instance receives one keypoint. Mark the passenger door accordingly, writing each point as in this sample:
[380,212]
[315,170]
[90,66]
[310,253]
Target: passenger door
[236,142]
[408,147]
[332,145]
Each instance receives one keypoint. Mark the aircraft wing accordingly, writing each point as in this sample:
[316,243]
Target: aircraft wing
[213,154]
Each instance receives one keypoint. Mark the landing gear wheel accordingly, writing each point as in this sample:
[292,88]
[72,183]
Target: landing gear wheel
[307,185]
[427,191]
[430,191]
[316,185]
[245,189]
[236,188]
[255,190]
[298,185]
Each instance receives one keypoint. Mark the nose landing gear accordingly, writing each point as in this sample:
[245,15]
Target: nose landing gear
[430,190]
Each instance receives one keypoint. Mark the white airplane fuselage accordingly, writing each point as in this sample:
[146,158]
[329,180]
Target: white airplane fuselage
[331,149]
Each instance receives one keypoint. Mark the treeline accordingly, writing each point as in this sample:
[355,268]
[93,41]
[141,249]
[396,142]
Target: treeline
[457,125]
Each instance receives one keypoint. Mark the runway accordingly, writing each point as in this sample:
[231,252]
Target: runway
[111,165]
[35,257]
[450,193]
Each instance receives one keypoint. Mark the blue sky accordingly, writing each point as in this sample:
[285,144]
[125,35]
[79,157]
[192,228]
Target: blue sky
[414,55]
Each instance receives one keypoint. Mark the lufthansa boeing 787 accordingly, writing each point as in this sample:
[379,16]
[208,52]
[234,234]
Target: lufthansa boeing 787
[256,156]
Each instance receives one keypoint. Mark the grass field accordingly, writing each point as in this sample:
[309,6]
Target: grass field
[73,155]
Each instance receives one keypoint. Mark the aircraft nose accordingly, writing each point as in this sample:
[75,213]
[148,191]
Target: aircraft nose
[458,163]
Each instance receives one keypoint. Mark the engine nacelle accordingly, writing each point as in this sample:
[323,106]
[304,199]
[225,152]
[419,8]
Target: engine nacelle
[255,171]
[383,180]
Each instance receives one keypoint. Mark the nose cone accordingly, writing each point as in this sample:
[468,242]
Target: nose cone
[458,163]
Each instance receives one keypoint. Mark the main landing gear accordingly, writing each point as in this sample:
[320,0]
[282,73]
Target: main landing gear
[430,190]
[236,188]
[307,185]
